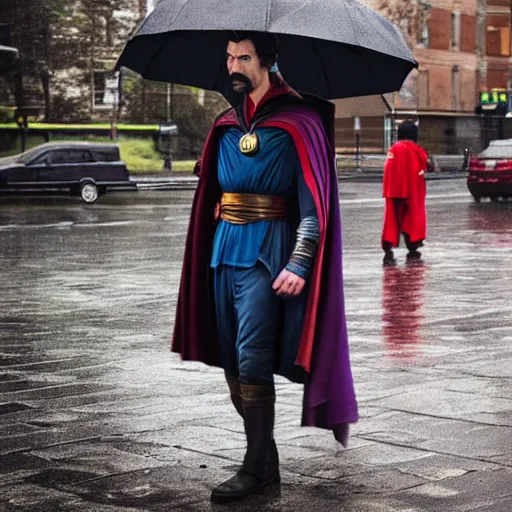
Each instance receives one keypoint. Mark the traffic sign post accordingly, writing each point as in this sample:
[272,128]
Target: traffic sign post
[21,116]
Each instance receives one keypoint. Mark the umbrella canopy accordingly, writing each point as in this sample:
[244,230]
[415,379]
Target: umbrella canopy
[329,48]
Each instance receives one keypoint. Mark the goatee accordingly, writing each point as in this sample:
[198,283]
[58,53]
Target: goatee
[241,84]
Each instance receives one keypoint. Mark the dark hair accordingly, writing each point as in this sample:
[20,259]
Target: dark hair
[264,43]
[408,131]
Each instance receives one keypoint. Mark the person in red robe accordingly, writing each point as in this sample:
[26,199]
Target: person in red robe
[404,190]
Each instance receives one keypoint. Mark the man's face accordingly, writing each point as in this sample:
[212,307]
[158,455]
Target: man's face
[244,66]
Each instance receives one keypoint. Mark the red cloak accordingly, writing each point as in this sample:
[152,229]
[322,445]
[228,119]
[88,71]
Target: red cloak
[404,179]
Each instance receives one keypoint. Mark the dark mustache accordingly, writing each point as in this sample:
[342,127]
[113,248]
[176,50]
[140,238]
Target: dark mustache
[239,77]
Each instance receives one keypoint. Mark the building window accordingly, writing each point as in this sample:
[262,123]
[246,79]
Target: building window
[498,41]
[423,89]
[455,87]
[505,41]
[424,36]
[105,89]
[71,157]
[455,34]
[422,14]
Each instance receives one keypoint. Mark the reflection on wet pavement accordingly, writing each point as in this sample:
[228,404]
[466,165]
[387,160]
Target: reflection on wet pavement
[402,303]
[492,222]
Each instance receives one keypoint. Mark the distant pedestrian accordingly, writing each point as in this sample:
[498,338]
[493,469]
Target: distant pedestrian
[197,168]
[404,190]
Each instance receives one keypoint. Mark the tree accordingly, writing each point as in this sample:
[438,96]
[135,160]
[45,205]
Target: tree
[59,42]
[145,101]
[410,16]
[30,24]
[66,44]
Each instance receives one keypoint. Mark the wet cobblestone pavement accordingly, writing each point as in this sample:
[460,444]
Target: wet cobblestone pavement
[96,414]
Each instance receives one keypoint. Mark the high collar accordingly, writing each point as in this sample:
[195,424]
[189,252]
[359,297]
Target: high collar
[278,87]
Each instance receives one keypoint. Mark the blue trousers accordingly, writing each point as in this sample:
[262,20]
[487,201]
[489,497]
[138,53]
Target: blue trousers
[259,332]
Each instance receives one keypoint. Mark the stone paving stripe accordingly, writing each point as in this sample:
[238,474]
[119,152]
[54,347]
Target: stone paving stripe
[10,407]
[50,364]
[112,475]
[61,390]
[431,450]
[21,461]
[21,385]
[52,445]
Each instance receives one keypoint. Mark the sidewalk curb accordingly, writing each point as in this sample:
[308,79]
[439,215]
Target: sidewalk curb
[190,183]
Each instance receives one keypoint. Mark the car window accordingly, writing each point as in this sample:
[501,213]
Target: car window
[71,156]
[104,156]
[40,160]
[29,155]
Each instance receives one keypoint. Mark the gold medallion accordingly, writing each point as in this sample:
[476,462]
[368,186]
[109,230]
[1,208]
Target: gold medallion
[249,144]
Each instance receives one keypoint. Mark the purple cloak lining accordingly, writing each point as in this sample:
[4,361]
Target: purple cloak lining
[329,393]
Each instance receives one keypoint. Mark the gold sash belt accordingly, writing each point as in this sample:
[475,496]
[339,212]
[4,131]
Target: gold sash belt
[246,208]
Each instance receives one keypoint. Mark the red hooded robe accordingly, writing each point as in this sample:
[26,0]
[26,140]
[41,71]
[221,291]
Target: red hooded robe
[404,179]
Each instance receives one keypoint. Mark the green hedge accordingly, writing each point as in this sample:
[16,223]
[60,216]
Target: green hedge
[80,127]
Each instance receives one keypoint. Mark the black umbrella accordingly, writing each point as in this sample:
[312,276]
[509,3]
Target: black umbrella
[329,48]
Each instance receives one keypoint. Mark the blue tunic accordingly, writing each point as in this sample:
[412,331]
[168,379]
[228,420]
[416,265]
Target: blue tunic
[251,319]
[274,170]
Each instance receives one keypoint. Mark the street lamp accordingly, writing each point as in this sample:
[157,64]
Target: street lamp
[165,132]
[357,131]
[111,97]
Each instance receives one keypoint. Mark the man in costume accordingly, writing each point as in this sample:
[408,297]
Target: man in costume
[262,290]
[404,190]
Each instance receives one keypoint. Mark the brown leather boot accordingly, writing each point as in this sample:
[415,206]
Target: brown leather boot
[260,469]
[236,398]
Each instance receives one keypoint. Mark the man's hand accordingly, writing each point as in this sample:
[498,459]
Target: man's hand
[288,284]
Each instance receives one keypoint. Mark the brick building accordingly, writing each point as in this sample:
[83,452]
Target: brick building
[447,54]
[463,47]
[498,47]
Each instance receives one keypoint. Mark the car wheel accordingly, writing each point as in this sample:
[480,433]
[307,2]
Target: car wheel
[494,199]
[477,199]
[89,192]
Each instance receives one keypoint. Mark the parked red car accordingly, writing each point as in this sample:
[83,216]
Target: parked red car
[490,172]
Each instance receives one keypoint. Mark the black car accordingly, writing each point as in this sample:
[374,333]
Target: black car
[490,173]
[85,169]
